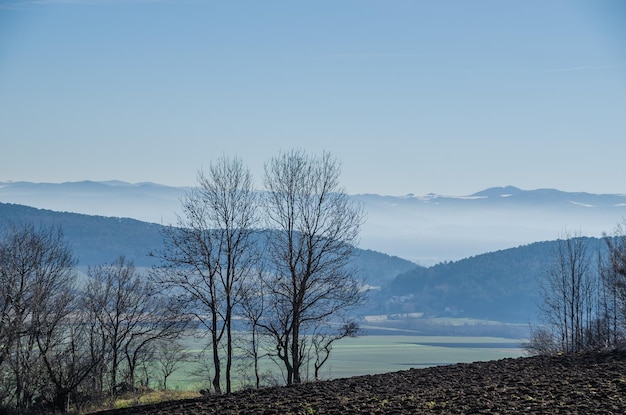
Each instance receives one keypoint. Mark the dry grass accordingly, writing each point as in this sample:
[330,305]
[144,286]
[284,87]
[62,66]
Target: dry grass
[149,397]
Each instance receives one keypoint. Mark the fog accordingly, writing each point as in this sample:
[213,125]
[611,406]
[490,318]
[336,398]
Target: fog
[425,230]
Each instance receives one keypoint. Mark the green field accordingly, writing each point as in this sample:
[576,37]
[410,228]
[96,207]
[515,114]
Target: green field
[376,354]
[380,354]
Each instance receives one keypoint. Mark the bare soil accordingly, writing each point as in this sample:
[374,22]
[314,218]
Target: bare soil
[590,383]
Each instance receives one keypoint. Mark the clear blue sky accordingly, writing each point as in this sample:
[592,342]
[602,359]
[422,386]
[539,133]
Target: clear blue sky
[412,96]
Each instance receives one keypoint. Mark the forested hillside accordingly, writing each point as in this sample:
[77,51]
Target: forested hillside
[501,285]
[99,240]
[94,239]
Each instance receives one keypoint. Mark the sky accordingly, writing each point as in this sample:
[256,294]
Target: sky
[411,96]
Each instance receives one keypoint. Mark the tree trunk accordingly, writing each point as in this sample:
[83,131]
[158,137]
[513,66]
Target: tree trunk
[229,349]
[216,355]
[295,353]
[61,400]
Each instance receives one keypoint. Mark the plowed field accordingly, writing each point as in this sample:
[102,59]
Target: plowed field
[568,384]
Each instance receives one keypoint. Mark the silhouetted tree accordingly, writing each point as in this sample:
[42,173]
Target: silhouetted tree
[132,315]
[169,355]
[323,339]
[210,253]
[569,296]
[64,346]
[253,308]
[313,228]
[613,274]
[617,250]
[36,283]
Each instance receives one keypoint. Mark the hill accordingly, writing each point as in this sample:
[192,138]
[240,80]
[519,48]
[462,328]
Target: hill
[94,239]
[100,240]
[501,285]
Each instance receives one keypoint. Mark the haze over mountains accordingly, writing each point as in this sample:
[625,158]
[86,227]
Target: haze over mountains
[424,229]
[433,228]
[496,240]
[99,240]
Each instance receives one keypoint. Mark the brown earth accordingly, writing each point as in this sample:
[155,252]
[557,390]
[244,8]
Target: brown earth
[592,383]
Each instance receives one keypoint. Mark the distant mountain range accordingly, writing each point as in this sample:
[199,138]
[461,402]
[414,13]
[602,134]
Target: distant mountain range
[424,229]
[432,228]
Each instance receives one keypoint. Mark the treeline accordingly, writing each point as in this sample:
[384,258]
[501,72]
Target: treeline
[66,341]
[583,296]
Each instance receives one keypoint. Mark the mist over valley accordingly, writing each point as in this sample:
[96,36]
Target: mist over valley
[425,229]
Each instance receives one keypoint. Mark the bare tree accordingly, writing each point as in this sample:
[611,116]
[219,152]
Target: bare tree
[542,341]
[323,339]
[64,346]
[131,315]
[568,294]
[617,250]
[169,356]
[613,272]
[313,228]
[607,329]
[211,252]
[36,276]
[253,309]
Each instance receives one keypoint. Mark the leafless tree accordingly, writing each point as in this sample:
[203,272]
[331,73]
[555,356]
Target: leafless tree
[169,356]
[322,341]
[313,227]
[568,294]
[36,279]
[64,346]
[211,252]
[253,305]
[607,329]
[542,341]
[613,274]
[617,250]
[131,315]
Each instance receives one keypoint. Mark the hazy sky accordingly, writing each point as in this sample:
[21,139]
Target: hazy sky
[412,96]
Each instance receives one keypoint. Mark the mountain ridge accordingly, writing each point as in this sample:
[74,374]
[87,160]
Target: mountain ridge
[425,229]
[100,240]
[121,183]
